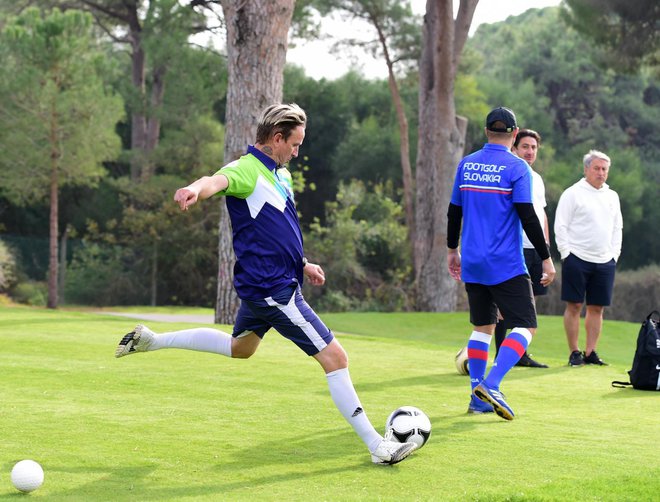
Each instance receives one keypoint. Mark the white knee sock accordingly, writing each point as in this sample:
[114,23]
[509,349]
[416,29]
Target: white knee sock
[347,402]
[201,339]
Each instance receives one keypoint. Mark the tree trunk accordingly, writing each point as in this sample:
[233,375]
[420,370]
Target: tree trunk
[153,123]
[145,126]
[154,274]
[404,148]
[52,256]
[226,304]
[440,148]
[61,282]
[404,140]
[138,118]
[54,213]
[257,40]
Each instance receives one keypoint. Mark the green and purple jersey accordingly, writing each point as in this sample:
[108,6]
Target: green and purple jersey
[267,238]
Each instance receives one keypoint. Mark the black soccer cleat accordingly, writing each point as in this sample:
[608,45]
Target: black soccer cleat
[528,362]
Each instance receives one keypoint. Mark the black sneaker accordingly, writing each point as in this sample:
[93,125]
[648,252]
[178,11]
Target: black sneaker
[594,359]
[576,358]
[528,362]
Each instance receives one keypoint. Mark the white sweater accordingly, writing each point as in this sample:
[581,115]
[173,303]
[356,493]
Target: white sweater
[588,223]
[538,199]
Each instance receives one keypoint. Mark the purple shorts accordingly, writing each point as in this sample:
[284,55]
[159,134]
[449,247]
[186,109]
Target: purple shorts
[287,312]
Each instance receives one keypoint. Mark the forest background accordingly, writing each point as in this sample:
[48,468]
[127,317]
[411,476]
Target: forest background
[122,240]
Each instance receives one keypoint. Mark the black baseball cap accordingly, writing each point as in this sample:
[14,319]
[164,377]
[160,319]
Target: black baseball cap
[504,115]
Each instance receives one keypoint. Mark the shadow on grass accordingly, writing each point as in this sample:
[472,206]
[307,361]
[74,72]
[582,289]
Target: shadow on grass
[631,394]
[452,378]
[132,482]
[116,483]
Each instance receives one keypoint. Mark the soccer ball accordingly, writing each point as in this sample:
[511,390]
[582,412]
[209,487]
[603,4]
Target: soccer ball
[461,361]
[408,424]
[27,475]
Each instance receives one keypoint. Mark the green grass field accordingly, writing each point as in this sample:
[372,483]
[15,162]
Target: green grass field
[181,426]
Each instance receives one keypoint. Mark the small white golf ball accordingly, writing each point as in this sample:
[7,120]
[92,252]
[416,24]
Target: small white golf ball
[27,475]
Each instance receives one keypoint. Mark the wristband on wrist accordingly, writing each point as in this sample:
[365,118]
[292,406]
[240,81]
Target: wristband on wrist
[305,262]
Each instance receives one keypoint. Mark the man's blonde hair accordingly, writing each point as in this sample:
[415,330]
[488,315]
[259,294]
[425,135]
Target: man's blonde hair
[280,118]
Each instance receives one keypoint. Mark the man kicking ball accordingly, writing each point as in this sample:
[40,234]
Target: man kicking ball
[269,271]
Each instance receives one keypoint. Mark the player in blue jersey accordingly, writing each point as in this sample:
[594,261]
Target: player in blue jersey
[492,197]
[269,271]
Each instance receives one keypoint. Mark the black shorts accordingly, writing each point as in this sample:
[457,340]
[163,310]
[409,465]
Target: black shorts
[513,298]
[535,268]
[581,278]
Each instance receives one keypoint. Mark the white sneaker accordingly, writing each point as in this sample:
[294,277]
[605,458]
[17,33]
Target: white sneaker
[137,340]
[391,452]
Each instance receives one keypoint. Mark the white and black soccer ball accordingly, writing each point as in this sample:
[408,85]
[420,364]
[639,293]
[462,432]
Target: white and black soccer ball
[461,361]
[408,424]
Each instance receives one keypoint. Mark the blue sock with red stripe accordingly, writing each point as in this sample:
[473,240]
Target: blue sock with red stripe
[478,345]
[511,350]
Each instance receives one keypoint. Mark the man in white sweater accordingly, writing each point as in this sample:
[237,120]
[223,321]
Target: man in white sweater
[588,233]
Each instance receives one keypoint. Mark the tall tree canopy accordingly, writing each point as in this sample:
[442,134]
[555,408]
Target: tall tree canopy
[630,30]
[57,118]
[155,32]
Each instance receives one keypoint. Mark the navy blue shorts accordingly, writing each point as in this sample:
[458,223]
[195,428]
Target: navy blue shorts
[513,298]
[534,265]
[580,279]
[287,312]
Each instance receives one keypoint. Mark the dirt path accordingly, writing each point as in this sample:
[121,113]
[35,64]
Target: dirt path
[200,319]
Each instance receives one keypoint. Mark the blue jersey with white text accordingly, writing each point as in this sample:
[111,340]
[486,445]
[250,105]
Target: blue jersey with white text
[488,182]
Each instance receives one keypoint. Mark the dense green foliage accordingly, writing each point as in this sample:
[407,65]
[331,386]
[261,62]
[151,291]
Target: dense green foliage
[364,249]
[628,30]
[7,267]
[57,117]
[128,244]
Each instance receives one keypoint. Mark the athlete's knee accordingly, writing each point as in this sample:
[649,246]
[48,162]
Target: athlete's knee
[336,355]
[333,357]
[341,359]
[241,354]
[244,347]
